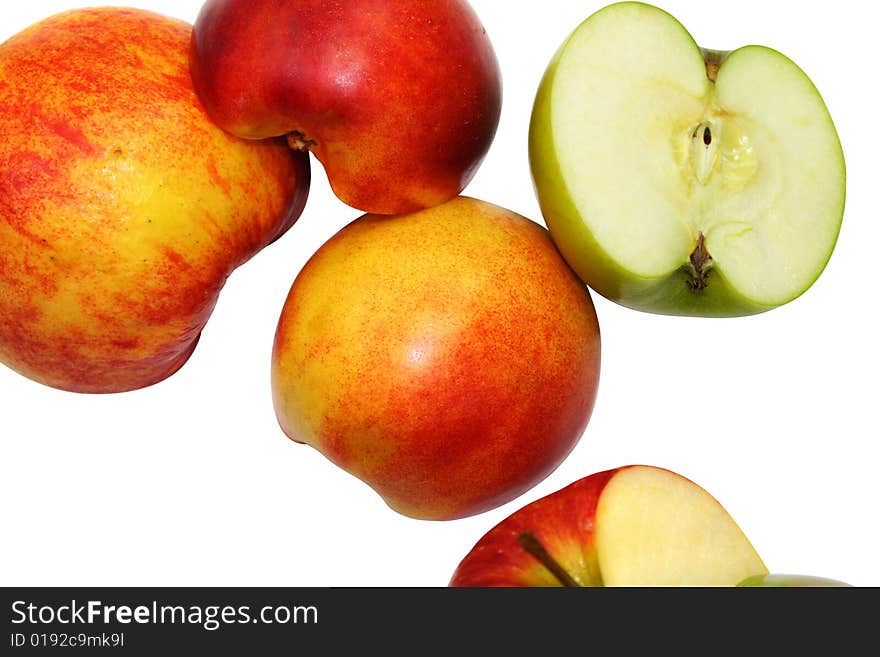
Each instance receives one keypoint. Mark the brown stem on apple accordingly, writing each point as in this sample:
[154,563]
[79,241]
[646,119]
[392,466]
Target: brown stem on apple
[713,59]
[699,266]
[530,543]
[299,142]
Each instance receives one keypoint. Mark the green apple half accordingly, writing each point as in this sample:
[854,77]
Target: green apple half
[684,181]
[792,582]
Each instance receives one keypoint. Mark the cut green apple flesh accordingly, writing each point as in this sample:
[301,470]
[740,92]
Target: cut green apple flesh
[684,181]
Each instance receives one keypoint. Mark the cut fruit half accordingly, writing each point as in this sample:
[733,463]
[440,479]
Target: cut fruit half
[680,180]
[633,526]
[657,528]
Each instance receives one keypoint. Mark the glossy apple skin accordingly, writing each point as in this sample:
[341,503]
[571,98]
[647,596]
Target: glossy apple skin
[123,208]
[399,100]
[563,522]
[449,358]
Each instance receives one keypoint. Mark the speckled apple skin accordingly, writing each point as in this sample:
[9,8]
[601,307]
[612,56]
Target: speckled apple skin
[123,208]
[449,358]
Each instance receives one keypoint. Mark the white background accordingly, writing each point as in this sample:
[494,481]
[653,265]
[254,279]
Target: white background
[192,482]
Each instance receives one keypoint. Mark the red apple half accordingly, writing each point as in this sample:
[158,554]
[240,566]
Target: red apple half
[636,525]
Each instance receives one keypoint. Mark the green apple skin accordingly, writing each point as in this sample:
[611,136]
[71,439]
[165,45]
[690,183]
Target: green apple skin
[668,295]
[790,581]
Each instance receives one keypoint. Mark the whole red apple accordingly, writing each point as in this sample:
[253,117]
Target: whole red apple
[449,358]
[399,100]
[123,207]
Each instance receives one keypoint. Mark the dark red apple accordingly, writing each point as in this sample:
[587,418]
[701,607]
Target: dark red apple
[398,100]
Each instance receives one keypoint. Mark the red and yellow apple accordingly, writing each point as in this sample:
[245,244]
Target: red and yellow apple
[449,358]
[636,525]
[398,100]
[123,208]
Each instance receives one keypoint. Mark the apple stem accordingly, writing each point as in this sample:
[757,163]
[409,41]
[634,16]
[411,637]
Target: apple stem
[530,543]
[299,142]
[713,59]
[700,264]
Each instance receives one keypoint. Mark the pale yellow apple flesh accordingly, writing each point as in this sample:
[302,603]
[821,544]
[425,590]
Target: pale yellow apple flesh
[683,181]
[656,528]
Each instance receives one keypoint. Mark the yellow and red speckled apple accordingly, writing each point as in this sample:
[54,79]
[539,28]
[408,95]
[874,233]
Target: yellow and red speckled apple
[123,208]
[449,358]
[398,100]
